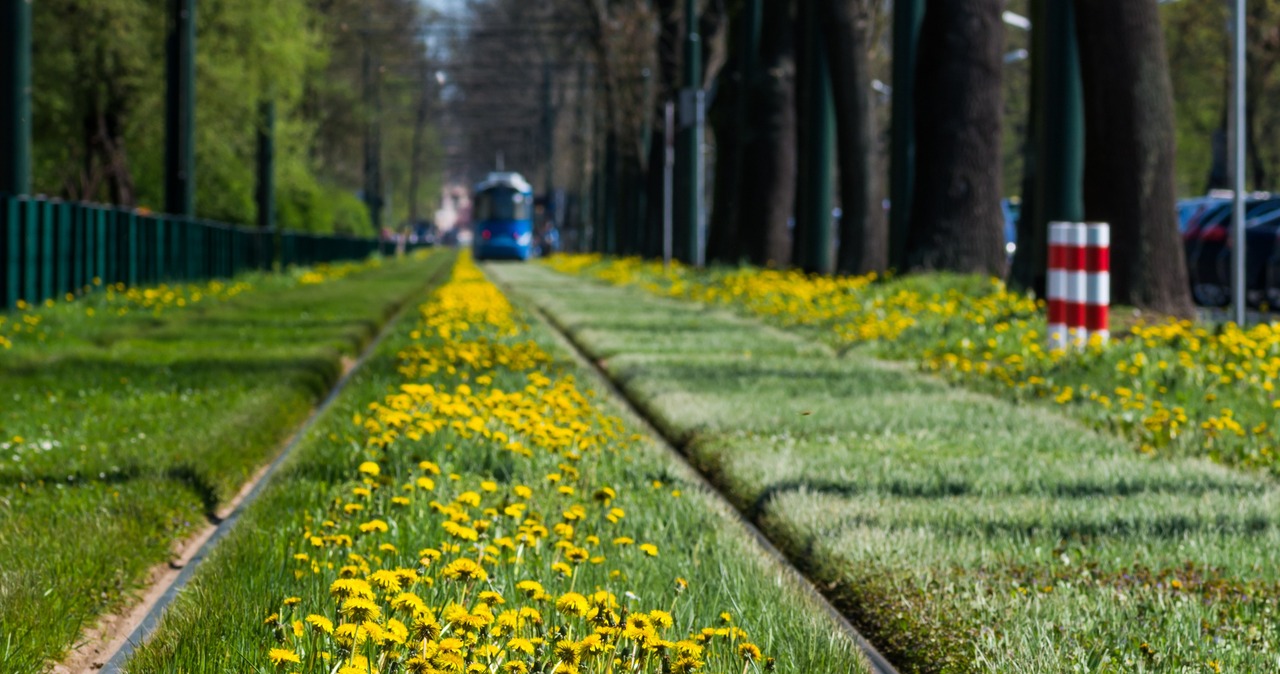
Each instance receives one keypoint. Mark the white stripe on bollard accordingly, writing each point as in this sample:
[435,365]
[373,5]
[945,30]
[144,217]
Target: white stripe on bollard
[1056,290]
[1077,285]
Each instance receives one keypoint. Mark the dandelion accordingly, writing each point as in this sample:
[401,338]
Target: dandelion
[320,623]
[360,609]
[281,657]
[572,604]
[465,570]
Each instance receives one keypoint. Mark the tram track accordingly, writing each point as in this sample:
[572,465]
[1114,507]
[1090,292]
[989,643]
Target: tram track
[145,619]
[650,425]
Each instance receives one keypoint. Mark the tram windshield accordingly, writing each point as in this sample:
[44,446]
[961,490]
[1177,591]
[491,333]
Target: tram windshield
[502,203]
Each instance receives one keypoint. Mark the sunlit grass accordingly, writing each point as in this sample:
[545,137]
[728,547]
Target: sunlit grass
[127,419]
[702,565]
[961,531]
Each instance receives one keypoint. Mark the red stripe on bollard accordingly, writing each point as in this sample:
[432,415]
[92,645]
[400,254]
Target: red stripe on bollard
[1097,317]
[1097,259]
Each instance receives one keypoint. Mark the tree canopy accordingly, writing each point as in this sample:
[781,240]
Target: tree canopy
[99,88]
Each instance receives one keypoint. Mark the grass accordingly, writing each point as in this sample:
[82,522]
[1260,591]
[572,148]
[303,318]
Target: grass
[129,417]
[464,337]
[1174,387]
[961,532]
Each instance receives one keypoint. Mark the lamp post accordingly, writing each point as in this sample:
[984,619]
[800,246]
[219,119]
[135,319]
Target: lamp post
[15,97]
[907,16]
[689,222]
[1237,179]
[180,110]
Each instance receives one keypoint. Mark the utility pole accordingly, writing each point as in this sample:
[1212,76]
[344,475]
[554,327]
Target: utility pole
[372,137]
[752,28]
[585,130]
[668,181]
[817,135]
[907,15]
[267,165]
[689,224]
[1057,129]
[1238,289]
[180,110]
[15,97]
[548,132]
[415,150]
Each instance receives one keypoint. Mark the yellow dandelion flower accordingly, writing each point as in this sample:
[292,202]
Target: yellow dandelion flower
[573,604]
[281,657]
[360,609]
[465,570]
[320,623]
[374,525]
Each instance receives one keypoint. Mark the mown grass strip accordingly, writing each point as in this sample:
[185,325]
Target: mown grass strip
[961,532]
[151,621]
[472,505]
[1173,387]
[876,660]
[129,419]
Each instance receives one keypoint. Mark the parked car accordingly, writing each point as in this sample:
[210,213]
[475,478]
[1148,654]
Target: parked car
[1193,208]
[1206,242]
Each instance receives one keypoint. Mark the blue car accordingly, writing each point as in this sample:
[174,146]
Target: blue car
[503,213]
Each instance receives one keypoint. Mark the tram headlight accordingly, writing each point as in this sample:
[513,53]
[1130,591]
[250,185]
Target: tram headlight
[524,239]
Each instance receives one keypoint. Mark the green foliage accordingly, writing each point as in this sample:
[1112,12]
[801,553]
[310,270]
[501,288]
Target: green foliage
[218,625]
[124,430]
[961,532]
[99,72]
[1198,41]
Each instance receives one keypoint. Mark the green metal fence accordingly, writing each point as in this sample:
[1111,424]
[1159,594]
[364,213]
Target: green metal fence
[49,248]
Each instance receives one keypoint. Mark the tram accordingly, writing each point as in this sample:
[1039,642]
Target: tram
[502,211]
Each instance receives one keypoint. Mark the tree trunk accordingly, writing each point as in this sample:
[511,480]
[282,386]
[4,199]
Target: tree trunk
[864,230]
[956,221]
[768,193]
[668,50]
[1129,151]
[723,235]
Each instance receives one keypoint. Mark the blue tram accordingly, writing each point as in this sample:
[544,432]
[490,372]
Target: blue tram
[502,211]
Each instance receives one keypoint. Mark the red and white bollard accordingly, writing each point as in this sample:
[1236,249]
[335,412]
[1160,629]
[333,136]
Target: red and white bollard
[1079,283]
[1059,239]
[1097,261]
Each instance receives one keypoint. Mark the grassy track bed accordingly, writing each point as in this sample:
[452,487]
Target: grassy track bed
[1173,387]
[128,418]
[960,531]
[472,502]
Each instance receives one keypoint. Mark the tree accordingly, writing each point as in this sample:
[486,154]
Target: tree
[864,231]
[956,221]
[1129,151]
[727,123]
[769,189]
[1198,41]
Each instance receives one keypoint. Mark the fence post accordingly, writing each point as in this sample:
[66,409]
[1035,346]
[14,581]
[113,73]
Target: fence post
[158,245]
[100,236]
[13,251]
[44,264]
[62,241]
[79,243]
[131,220]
